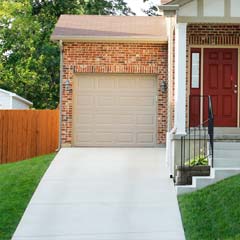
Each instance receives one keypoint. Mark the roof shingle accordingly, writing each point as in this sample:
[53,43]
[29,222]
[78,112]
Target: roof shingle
[91,27]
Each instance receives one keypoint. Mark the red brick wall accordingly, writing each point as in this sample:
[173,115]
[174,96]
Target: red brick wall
[213,34]
[83,57]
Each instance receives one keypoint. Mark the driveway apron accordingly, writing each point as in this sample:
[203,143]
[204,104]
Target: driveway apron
[104,194]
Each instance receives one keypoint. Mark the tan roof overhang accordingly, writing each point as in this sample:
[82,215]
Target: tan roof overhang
[110,28]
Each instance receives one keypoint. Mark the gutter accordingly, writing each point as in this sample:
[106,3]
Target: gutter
[60,98]
[134,39]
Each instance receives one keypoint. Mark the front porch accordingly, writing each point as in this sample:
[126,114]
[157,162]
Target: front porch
[204,62]
[212,64]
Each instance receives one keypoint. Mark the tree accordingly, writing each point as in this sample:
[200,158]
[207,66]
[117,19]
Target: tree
[29,61]
[153,9]
[103,7]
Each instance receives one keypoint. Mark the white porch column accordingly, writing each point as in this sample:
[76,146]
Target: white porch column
[180,78]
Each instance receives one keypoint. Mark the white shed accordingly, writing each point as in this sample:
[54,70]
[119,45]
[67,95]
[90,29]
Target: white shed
[9,100]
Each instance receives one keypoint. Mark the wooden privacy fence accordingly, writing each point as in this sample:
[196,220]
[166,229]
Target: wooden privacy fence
[27,133]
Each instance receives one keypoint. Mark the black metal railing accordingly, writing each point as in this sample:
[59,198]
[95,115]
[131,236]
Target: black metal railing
[197,146]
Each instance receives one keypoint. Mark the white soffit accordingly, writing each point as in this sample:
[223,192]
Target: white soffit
[213,8]
[235,8]
[189,10]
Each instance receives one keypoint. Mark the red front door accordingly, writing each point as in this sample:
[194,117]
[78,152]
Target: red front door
[220,82]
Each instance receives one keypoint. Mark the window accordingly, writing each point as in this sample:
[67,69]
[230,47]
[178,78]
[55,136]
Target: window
[195,68]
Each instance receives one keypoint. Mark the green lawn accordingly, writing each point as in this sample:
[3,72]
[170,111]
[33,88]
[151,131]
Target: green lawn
[213,213]
[18,181]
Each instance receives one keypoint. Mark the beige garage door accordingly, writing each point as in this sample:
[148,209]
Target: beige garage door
[114,110]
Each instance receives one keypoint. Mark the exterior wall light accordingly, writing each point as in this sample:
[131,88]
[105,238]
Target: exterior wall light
[67,85]
[163,86]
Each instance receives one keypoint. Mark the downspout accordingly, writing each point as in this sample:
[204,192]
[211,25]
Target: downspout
[60,97]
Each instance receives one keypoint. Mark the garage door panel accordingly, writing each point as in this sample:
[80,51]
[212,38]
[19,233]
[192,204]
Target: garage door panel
[145,120]
[145,128]
[104,137]
[105,101]
[104,119]
[125,119]
[126,84]
[83,119]
[85,84]
[146,83]
[127,101]
[145,138]
[136,101]
[127,138]
[106,83]
[126,128]
[114,110]
[85,100]
[84,137]
[146,101]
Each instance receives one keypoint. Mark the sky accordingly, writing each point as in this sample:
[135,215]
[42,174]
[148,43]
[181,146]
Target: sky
[137,5]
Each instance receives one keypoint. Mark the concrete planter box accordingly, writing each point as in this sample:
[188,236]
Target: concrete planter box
[185,173]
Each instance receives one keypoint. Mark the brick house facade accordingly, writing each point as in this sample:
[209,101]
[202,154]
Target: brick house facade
[163,47]
[122,58]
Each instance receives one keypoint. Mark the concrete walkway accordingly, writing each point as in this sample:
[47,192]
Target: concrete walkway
[104,194]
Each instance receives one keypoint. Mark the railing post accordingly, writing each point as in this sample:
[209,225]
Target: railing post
[211,127]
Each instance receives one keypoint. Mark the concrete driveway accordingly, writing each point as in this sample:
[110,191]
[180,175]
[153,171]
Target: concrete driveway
[104,194]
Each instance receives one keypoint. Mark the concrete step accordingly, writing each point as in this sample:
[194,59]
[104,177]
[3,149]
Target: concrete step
[223,173]
[227,137]
[227,162]
[217,174]
[227,146]
[227,153]
[220,134]
[218,131]
[226,130]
